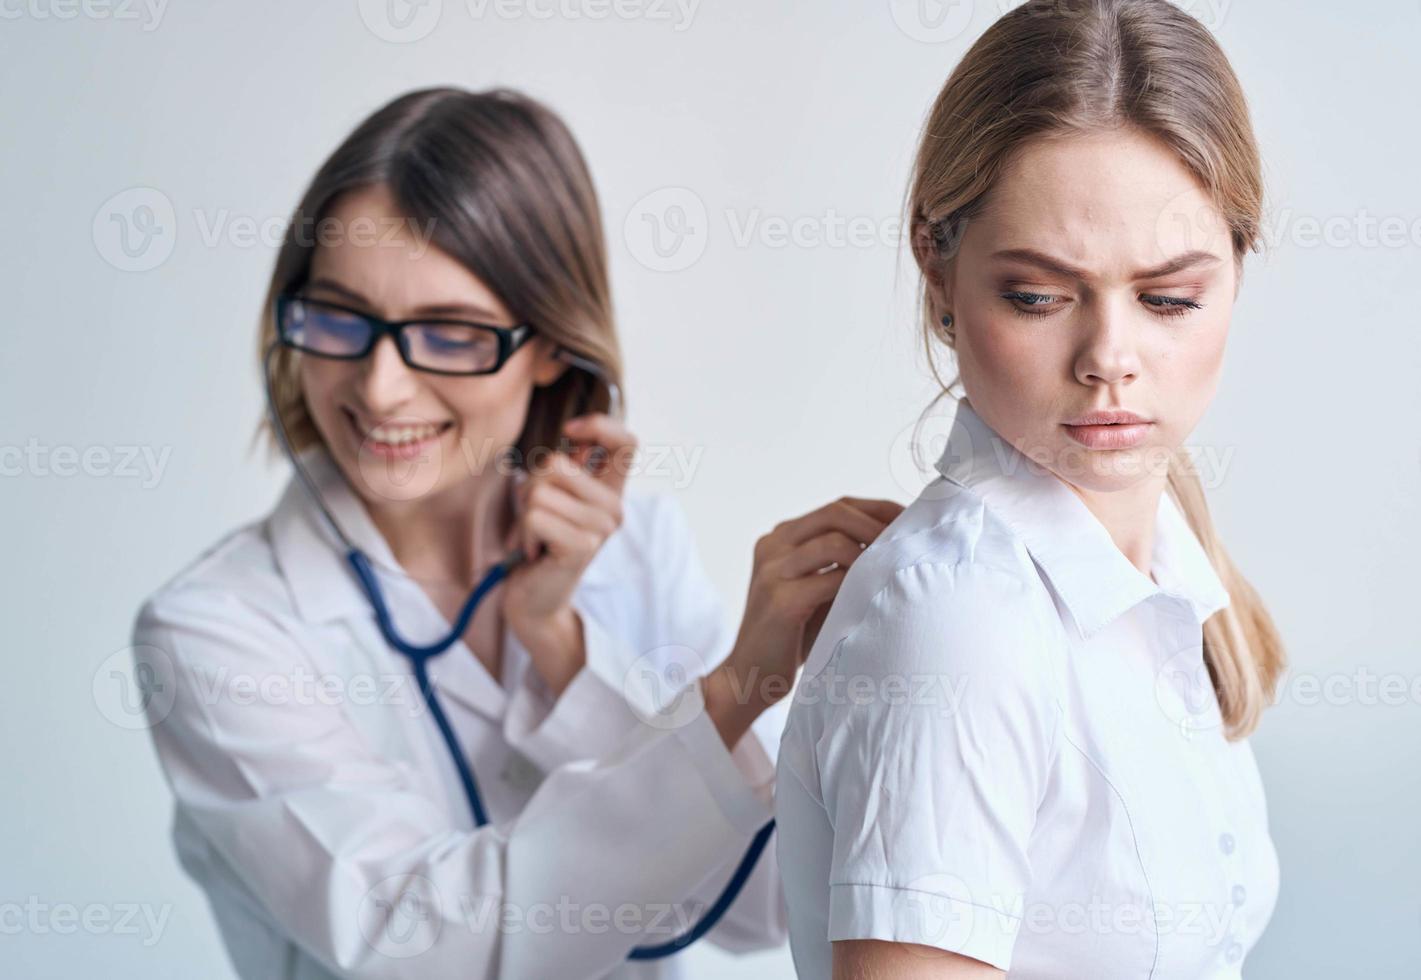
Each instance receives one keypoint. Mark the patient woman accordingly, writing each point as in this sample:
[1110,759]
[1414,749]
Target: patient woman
[1020,741]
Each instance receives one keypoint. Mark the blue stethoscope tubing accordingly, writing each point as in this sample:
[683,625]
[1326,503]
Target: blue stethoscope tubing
[420,655]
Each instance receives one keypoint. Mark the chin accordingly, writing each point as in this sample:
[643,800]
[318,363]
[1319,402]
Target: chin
[1110,471]
[382,480]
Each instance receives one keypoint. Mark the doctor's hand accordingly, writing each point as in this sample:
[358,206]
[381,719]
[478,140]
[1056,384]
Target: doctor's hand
[798,569]
[569,505]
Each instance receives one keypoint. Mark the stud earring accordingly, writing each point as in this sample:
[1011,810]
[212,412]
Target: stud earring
[947,321]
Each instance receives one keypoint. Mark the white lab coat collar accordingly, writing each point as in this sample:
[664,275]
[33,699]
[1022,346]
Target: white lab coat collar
[324,588]
[311,557]
[1092,576]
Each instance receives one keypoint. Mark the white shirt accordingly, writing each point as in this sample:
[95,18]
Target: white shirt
[317,806]
[1005,744]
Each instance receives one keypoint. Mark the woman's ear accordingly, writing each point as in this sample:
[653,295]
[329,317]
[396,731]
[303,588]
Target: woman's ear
[935,267]
[547,366]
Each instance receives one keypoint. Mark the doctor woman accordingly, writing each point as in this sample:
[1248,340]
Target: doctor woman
[1045,772]
[568,783]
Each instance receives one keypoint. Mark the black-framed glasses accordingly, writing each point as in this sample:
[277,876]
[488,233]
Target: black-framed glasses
[436,345]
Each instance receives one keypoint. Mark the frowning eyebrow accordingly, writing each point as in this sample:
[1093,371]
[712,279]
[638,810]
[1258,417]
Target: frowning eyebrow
[465,310]
[1179,263]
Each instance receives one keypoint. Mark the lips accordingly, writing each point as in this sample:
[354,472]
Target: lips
[1108,429]
[1108,416]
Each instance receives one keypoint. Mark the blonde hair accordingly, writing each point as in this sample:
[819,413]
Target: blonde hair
[500,182]
[1053,68]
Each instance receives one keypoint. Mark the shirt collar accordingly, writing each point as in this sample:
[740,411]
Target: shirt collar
[1094,579]
[323,586]
[313,559]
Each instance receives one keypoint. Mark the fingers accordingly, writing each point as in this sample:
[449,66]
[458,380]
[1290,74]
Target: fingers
[568,510]
[800,598]
[802,561]
[832,548]
[854,517]
[561,536]
[561,471]
[556,499]
[608,446]
[886,511]
[573,502]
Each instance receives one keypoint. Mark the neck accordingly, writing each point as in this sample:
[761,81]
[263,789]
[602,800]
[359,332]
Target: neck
[453,537]
[1129,517]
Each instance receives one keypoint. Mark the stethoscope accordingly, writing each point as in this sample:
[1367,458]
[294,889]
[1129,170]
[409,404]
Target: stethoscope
[419,656]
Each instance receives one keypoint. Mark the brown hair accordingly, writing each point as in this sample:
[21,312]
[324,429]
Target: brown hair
[1053,68]
[498,180]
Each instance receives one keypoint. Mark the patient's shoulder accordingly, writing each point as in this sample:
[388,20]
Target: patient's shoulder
[946,586]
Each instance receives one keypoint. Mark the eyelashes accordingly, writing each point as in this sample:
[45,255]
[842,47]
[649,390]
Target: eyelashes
[1170,305]
[1161,306]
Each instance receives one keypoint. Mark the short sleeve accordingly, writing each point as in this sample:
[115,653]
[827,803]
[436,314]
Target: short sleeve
[941,717]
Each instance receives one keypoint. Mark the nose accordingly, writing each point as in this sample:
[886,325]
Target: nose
[1109,351]
[386,382]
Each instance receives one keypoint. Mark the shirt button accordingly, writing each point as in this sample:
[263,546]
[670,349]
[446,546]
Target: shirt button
[1226,843]
[1239,894]
[1234,953]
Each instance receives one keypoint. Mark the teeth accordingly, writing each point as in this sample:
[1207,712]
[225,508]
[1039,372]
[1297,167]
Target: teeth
[397,435]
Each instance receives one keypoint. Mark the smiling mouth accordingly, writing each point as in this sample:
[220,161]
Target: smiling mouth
[396,436]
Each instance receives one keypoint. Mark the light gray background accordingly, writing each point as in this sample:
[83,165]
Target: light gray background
[790,367]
